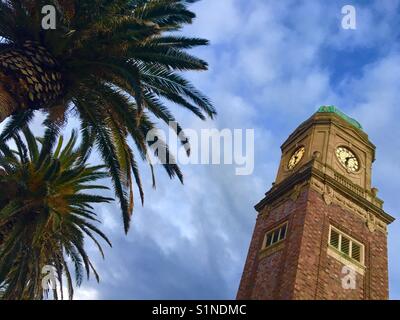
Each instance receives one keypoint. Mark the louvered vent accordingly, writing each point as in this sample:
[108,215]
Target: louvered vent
[346,245]
[356,252]
[334,239]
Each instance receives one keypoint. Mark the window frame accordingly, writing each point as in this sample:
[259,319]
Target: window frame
[351,241]
[272,233]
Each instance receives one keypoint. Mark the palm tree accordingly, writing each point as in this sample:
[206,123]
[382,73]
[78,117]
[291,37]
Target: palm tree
[45,215]
[113,64]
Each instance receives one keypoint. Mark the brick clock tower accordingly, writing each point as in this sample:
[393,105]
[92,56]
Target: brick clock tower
[321,232]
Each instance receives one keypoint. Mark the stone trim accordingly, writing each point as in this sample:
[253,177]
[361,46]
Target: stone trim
[333,197]
[333,190]
[345,260]
[265,252]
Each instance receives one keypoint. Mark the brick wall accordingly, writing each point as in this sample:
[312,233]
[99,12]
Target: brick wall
[373,284]
[301,268]
[273,276]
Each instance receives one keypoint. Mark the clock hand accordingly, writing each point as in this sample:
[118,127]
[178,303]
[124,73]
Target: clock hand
[348,158]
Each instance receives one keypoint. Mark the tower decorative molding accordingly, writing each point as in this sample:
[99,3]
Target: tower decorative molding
[328,195]
[371,222]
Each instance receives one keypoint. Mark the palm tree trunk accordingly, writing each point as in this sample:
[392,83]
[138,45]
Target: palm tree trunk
[2,203]
[29,78]
[7,104]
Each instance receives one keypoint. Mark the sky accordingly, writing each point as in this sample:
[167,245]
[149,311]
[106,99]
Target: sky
[272,64]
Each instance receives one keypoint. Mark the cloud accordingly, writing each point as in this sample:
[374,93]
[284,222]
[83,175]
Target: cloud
[220,20]
[86,294]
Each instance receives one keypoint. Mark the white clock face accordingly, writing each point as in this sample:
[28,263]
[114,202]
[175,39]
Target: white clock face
[347,159]
[296,157]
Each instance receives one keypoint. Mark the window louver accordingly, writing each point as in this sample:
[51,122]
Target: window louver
[346,245]
[334,239]
[356,252]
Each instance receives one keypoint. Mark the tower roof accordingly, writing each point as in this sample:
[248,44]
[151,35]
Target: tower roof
[330,114]
[333,109]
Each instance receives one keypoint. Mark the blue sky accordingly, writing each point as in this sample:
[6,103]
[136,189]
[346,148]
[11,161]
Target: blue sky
[272,64]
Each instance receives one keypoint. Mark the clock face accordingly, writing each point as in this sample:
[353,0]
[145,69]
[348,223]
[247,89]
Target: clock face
[348,159]
[296,157]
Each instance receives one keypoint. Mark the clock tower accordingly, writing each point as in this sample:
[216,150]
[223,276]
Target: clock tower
[321,231]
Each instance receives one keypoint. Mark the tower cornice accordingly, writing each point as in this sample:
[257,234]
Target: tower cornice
[327,178]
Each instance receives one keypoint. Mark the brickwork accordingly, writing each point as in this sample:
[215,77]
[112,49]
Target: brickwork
[273,276]
[302,268]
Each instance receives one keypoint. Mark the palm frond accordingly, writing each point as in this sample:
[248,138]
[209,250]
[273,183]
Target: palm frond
[112,64]
[45,214]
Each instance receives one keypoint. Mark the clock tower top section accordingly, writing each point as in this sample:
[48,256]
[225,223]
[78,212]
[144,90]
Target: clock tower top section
[335,144]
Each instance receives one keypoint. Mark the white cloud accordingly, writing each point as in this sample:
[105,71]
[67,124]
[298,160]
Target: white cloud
[86,293]
[220,20]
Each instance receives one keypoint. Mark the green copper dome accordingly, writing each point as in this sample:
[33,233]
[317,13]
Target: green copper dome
[333,109]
